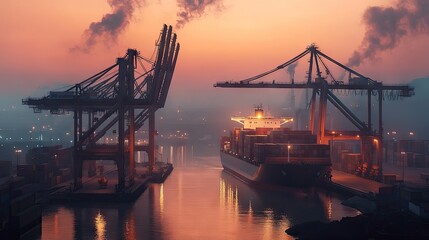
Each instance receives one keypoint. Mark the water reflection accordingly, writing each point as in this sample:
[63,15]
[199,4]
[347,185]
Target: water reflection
[274,209]
[59,222]
[198,201]
[179,156]
[130,227]
[100,225]
[161,199]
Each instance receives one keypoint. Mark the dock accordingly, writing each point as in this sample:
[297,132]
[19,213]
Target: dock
[405,193]
[92,191]
[354,185]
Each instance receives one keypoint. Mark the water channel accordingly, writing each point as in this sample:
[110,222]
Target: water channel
[198,201]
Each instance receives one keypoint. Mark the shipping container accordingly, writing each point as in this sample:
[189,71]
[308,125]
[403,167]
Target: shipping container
[263,151]
[42,167]
[419,160]
[410,194]
[292,137]
[57,180]
[417,146]
[389,178]
[426,147]
[242,134]
[27,217]
[65,171]
[27,171]
[404,146]
[21,203]
[5,168]
[427,161]
[298,160]
[409,159]
[249,142]
[263,131]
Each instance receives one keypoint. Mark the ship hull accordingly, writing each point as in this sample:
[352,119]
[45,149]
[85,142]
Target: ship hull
[288,174]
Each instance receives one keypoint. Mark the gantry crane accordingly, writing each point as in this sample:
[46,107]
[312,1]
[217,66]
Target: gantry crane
[123,96]
[324,86]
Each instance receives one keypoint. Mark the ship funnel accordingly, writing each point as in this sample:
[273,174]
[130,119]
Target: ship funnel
[259,112]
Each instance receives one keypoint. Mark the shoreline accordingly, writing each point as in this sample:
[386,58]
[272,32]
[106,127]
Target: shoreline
[390,214]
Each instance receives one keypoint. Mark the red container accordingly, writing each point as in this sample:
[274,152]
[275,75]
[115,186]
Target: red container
[263,131]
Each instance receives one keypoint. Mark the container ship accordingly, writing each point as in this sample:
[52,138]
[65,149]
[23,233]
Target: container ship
[262,151]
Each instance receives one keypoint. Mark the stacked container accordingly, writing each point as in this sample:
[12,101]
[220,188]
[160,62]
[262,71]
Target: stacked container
[249,144]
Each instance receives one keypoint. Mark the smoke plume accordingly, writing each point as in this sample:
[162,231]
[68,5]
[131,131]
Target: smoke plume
[111,25]
[385,26]
[191,9]
[291,70]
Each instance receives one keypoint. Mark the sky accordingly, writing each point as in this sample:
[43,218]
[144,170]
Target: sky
[47,44]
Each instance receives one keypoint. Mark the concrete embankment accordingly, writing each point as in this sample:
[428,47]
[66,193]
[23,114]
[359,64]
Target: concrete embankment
[396,211]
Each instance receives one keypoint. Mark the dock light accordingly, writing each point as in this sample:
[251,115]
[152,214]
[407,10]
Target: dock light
[18,152]
[411,133]
[403,166]
[288,148]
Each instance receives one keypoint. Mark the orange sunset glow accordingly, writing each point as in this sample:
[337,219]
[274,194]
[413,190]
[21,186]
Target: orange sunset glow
[214,119]
[227,40]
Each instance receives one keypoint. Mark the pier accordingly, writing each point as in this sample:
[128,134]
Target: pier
[93,190]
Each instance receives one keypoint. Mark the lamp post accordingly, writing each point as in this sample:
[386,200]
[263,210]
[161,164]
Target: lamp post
[50,131]
[18,152]
[56,160]
[288,148]
[403,166]
[331,146]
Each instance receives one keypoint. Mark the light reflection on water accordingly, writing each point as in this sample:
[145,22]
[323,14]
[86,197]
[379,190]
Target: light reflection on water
[100,225]
[198,201]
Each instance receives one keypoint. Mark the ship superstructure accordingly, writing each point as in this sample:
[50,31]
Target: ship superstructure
[260,120]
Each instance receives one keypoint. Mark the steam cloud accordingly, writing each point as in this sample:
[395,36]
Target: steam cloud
[291,70]
[385,26]
[111,25]
[191,9]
